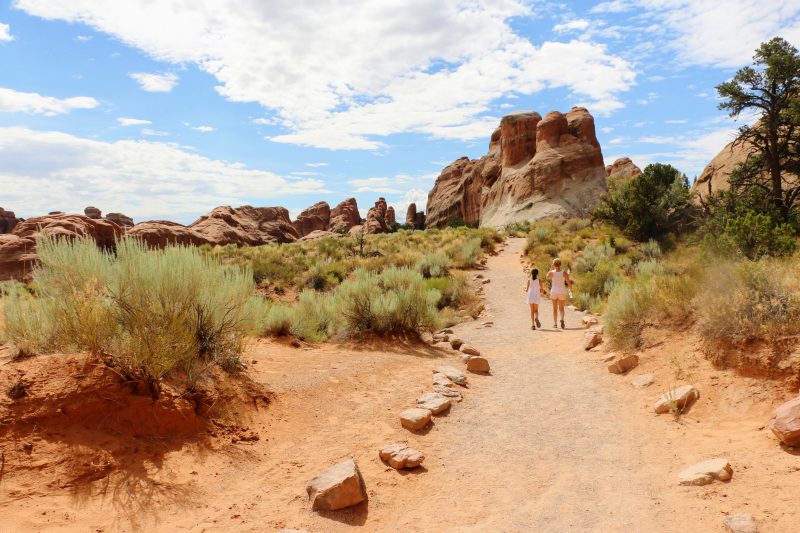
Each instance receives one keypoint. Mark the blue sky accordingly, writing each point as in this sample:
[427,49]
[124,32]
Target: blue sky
[167,109]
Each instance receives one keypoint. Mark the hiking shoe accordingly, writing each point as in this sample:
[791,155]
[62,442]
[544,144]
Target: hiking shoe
[533,327]
[555,326]
[562,325]
[538,324]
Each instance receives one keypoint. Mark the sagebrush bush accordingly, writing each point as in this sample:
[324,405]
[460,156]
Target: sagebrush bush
[593,255]
[750,301]
[151,311]
[433,265]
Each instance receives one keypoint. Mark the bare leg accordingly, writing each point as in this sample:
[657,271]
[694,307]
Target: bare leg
[561,305]
[555,309]
[533,314]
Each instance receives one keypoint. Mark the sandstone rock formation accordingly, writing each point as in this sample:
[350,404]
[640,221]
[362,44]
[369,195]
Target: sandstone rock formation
[162,233]
[246,225]
[17,257]
[338,487]
[376,218]
[8,221]
[716,176]
[622,168]
[344,216]
[120,220]
[93,212]
[414,219]
[319,234]
[315,218]
[390,216]
[536,168]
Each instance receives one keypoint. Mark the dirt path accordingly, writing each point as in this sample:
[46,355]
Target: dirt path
[549,442]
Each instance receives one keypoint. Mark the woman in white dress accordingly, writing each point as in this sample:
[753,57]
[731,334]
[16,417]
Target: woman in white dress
[535,291]
[558,290]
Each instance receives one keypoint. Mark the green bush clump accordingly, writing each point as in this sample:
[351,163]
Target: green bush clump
[151,311]
[754,235]
[432,265]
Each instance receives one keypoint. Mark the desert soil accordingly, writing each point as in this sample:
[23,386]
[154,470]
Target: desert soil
[550,441]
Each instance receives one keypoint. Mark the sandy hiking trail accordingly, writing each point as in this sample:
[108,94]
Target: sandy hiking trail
[550,441]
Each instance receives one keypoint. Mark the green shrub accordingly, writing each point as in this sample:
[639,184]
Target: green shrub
[432,265]
[755,235]
[650,249]
[593,255]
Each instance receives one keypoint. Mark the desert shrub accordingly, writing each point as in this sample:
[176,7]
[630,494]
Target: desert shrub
[278,319]
[650,249]
[151,311]
[655,295]
[748,301]
[593,255]
[577,224]
[752,235]
[455,291]
[396,301]
[432,265]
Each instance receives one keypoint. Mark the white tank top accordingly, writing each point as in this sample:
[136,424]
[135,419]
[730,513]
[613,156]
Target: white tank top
[533,288]
[559,285]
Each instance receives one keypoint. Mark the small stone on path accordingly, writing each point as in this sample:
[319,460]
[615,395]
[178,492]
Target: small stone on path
[589,321]
[456,343]
[706,472]
[441,379]
[338,487]
[453,374]
[642,380]
[678,398]
[478,364]
[434,402]
[453,394]
[785,422]
[624,364]
[469,350]
[592,339]
[487,324]
[607,358]
[415,418]
[484,282]
[400,456]
[740,523]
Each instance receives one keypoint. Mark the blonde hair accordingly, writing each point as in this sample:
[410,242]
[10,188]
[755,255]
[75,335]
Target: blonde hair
[557,261]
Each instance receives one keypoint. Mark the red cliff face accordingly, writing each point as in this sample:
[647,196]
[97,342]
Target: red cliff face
[315,218]
[8,221]
[622,168]
[536,168]
[344,216]
[246,225]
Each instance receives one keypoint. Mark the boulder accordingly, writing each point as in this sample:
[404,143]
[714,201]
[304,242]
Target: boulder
[455,343]
[400,456]
[338,487]
[344,216]
[716,175]
[434,402]
[535,168]
[642,380]
[589,321]
[469,350]
[624,364]
[478,365]
[8,221]
[162,233]
[441,379]
[246,225]
[315,218]
[17,257]
[452,374]
[785,422]
[592,339]
[120,220]
[679,398]
[376,218]
[415,418]
[706,472]
[93,212]
[622,168]
[740,523]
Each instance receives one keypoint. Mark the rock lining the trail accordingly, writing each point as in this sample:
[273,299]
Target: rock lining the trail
[740,523]
[415,418]
[453,394]
[785,422]
[453,374]
[592,339]
[400,456]
[456,343]
[470,350]
[441,379]
[642,381]
[434,402]
[624,364]
[681,397]
[706,472]
[338,487]
[478,365]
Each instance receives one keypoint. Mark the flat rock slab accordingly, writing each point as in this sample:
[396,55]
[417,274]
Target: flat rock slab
[643,380]
[338,487]
[469,350]
[434,402]
[453,374]
[441,337]
[592,339]
[487,324]
[706,472]
[484,282]
[740,523]
[478,364]
[607,358]
[448,392]
[456,343]
[415,418]
[679,398]
[446,331]
[400,456]
[441,379]
[589,321]
[624,364]
[785,422]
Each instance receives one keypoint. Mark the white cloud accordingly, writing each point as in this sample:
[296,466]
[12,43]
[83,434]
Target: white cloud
[401,203]
[693,151]
[45,170]
[571,26]
[83,38]
[155,83]
[615,6]
[676,121]
[5,33]
[606,129]
[203,129]
[153,133]
[315,165]
[617,140]
[376,185]
[132,121]
[346,75]
[12,101]
[264,121]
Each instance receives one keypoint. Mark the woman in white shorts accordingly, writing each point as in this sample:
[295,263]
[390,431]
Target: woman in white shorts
[558,290]
[535,292]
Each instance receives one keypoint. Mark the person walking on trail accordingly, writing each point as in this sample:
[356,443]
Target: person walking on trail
[535,292]
[558,291]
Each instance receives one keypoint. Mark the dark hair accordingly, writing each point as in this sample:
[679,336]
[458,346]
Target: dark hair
[534,273]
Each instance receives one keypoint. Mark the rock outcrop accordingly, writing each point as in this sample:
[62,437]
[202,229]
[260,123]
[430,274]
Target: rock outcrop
[17,257]
[622,168]
[315,218]
[376,218]
[414,219]
[93,212]
[344,216]
[162,233]
[120,220]
[8,221]
[390,216]
[536,168]
[246,225]
[716,176]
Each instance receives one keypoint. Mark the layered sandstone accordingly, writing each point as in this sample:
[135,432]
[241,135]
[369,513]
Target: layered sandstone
[390,216]
[315,218]
[622,168]
[120,220]
[93,212]
[8,221]
[344,216]
[536,168]
[163,233]
[246,225]
[414,219]
[376,218]
[716,176]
